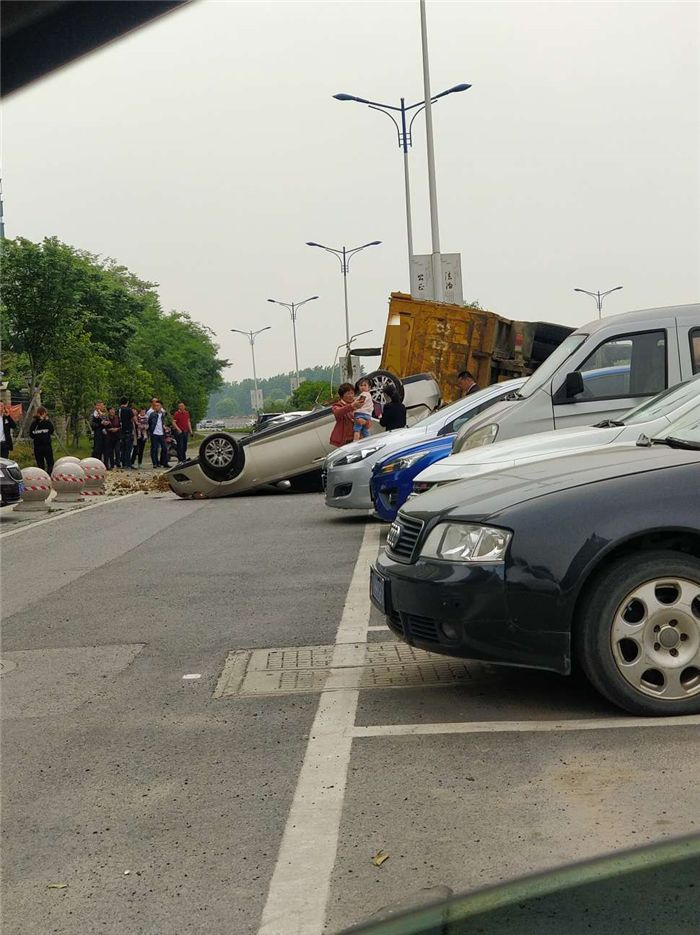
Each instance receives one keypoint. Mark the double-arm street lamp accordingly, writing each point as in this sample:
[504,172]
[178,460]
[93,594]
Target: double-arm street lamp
[252,335]
[598,296]
[344,256]
[293,306]
[404,134]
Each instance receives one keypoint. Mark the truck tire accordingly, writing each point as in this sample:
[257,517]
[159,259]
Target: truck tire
[380,380]
[221,456]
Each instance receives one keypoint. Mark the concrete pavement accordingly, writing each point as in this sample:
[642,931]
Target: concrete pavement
[249,813]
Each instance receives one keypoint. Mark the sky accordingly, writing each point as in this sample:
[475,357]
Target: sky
[204,150]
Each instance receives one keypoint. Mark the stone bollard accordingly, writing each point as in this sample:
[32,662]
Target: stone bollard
[95,475]
[68,481]
[37,487]
[67,459]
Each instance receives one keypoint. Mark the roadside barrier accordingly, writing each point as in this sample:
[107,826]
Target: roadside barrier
[68,481]
[37,487]
[67,459]
[95,476]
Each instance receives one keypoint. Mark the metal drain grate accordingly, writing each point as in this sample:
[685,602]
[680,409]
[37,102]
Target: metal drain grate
[299,669]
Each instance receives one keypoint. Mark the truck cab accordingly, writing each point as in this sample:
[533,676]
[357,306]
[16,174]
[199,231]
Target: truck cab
[597,372]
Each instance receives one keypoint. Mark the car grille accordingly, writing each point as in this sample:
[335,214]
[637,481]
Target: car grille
[14,473]
[403,537]
[422,628]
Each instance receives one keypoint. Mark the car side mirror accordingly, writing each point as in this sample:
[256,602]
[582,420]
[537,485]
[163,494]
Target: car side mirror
[573,386]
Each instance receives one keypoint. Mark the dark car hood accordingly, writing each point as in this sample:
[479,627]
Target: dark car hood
[489,494]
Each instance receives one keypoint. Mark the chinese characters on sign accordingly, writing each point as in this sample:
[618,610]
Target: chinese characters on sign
[422,278]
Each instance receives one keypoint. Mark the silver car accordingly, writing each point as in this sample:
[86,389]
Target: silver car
[348,470]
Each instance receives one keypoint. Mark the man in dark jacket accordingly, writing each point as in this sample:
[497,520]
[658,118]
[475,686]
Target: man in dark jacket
[126,434]
[7,423]
[466,383]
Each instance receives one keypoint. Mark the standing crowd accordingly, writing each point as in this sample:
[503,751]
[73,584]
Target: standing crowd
[120,434]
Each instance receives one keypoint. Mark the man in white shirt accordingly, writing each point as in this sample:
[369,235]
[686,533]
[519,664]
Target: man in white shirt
[156,430]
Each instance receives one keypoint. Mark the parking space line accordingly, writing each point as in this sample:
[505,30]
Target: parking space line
[495,727]
[300,886]
[381,629]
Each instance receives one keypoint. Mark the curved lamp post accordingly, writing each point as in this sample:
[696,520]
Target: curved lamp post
[598,296]
[293,306]
[252,335]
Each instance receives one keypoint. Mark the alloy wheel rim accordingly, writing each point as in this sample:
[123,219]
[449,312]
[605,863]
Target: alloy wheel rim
[219,452]
[655,638]
[379,385]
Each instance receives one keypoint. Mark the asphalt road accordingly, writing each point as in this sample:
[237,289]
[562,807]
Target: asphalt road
[165,804]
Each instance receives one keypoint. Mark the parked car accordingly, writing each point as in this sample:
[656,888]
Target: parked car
[266,419]
[643,352]
[651,418]
[292,451]
[348,470]
[391,482]
[11,485]
[590,558]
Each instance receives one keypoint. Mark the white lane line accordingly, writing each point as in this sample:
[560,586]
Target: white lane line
[300,885]
[381,629]
[495,727]
[78,511]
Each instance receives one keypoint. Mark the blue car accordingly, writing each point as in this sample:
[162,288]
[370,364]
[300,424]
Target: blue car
[392,477]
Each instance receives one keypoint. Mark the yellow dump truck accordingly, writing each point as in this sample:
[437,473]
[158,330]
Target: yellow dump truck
[424,336]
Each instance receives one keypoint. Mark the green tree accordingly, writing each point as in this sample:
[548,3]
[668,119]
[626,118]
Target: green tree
[75,378]
[40,288]
[310,394]
[226,407]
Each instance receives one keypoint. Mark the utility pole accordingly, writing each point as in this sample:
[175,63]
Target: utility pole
[438,285]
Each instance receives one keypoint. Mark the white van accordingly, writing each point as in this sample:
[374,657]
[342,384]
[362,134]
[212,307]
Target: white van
[597,372]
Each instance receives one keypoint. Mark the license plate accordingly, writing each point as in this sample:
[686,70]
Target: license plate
[377,590]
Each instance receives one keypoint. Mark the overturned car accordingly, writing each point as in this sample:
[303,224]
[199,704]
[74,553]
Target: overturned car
[291,451]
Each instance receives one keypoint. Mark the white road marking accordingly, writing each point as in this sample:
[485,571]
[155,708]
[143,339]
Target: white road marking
[495,727]
[300,885]
[381,629]
[77,512]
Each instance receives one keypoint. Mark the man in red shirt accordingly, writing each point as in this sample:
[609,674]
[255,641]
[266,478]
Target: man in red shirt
[181,418]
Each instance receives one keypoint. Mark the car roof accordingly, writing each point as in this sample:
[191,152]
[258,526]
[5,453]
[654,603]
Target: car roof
[684,313]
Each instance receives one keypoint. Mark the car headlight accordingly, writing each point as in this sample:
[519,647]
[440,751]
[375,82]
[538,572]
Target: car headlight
[401,464]
[483,436]
[356,456]
[466,542]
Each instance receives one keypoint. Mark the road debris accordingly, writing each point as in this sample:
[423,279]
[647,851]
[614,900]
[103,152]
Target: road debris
[380,857]
[56,886]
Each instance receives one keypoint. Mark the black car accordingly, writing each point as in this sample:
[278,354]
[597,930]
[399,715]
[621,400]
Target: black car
[10,482]
[592,558]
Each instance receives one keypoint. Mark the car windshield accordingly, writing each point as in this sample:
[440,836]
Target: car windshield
[546,371]
[663,404]
[687,428]
[438,417]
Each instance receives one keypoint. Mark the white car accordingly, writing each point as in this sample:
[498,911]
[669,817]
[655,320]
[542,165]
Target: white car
[292,451]
[348,470]
[649,419]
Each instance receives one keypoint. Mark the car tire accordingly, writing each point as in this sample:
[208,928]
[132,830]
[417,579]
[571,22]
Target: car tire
[637,634]
[221,456]
[310,482]
[380,380]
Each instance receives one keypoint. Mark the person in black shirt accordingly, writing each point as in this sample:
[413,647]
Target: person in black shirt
[40,432]
[126,434]
[394,413]
[7,423]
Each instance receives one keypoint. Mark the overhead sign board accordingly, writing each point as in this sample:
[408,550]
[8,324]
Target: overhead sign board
[422,278]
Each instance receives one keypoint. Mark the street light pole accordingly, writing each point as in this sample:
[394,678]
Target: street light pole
[293,306]
[252,335]
[438,286]
[344,256]
[598,296]
[405,139]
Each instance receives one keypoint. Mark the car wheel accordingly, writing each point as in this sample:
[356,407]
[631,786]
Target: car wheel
[221,456]
[638,635]
[311,482]
[381,380]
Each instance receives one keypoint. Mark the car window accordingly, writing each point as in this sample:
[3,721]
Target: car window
[694,336]
[465,417]
[626,365]
[547,369]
